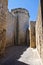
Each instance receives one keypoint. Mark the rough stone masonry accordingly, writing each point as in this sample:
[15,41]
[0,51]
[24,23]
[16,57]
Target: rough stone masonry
[3,9]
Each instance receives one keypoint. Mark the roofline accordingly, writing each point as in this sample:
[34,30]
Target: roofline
[16,9]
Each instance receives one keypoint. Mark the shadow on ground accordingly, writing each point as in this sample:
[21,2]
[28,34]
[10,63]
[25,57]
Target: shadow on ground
[12,55]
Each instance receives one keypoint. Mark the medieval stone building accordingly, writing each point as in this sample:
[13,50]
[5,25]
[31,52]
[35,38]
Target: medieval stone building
[17,32]
[32,34]
[21,25]
[13,26]
[39,30]
[10,28]
[3,15]
[17,27]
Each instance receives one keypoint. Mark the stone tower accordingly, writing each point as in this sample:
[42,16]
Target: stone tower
[21,25]
[3,13]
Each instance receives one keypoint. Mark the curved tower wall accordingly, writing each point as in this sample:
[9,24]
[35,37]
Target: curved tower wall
[22,23]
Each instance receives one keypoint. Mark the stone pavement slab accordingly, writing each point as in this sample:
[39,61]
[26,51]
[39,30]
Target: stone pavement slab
[31,56]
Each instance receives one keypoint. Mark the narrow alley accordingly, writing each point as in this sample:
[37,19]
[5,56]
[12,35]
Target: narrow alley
[20,55]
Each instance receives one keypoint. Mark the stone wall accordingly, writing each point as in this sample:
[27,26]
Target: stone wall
[42,31]
[22,23]
[39,30]
[41,55]
[3,13]
[17,24]
[32,34]
[39,40]
[10,29]
[28,37]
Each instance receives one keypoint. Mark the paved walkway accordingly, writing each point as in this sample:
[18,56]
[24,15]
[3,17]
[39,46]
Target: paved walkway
[20,55]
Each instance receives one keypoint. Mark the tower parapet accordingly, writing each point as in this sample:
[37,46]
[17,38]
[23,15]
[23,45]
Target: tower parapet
[20,10]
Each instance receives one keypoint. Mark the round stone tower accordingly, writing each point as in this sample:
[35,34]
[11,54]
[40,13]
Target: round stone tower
[22,24]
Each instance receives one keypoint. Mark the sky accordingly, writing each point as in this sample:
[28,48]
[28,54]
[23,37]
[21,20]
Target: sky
[30,5]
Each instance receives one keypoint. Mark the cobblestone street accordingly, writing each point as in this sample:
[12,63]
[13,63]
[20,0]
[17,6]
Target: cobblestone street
[20,55]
